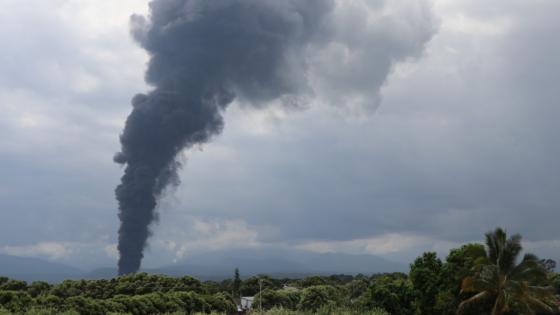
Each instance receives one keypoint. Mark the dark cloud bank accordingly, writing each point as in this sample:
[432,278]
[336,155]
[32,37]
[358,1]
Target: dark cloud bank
[206,54]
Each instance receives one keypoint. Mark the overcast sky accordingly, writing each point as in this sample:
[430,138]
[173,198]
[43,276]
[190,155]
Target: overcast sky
[430,123]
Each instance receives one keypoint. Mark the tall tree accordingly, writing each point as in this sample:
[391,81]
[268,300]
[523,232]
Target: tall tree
[391,292]
[425,273]
[511,287]
[459,264]
[236,285]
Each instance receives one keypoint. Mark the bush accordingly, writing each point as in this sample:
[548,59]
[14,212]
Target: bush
[286,299]
[192,302]
[324,311]
[85,306]
[392,292]
[46,311]
[153,303]
[316,297]
[222,303]
[251,286]
[14,285]
[67,288]
[312,281]
[37,288]
[15,301]
[52,302]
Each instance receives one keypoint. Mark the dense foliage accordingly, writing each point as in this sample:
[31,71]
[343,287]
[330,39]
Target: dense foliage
[472,279]
[510,287]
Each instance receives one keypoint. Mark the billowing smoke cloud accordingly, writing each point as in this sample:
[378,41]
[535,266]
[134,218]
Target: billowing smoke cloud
[205,54]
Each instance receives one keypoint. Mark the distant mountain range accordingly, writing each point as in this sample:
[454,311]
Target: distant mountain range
[32,269]
[216,265]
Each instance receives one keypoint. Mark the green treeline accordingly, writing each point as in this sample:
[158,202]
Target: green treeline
[475,279]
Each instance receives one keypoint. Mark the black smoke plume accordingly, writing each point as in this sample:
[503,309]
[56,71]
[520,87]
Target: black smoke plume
[203,55]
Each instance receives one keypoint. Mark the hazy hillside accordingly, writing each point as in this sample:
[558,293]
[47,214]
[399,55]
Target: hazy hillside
[290,262]
[31,269]
[215,265]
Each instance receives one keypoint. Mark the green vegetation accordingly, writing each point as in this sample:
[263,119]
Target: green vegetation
[323,311]
[472,280]
[508,286]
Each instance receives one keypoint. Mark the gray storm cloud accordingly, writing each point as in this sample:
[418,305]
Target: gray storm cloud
[206,54]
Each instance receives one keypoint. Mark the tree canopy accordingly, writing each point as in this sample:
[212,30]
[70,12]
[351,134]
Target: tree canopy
[474,279]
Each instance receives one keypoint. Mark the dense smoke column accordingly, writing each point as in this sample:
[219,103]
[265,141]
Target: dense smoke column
[203,54]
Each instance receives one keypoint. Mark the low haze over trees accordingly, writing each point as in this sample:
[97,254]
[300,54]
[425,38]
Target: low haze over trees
[475,279]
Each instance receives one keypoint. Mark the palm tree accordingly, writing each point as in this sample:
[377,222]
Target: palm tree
[510,287]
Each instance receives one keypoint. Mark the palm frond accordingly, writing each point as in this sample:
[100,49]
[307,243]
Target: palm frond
[514,287]
[511,249]
[542,305]
[529,269]
[478,298]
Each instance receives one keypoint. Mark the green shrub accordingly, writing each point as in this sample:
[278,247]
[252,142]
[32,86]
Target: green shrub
[37,288]
[85,306]
[286,299]
[221,302]
[49,302]
[315,297]
[192,302]
[322,311]
[14,285]
[15,301]
[46,311]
